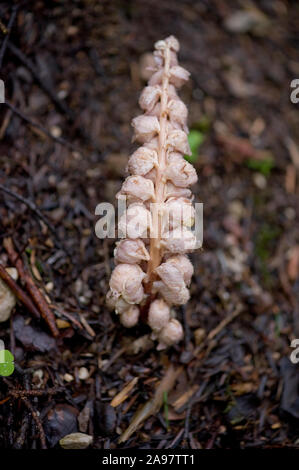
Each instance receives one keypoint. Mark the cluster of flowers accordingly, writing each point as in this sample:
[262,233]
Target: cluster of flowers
[154,270]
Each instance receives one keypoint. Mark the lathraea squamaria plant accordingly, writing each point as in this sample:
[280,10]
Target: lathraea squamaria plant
[153,271]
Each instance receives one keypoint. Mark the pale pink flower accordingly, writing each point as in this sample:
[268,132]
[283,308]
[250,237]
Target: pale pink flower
[184,265]
[138,187]
[179,212]
[178,113]
[179,171]
[145,128]
[179,240]
[171,276]
[172,333]
[131,251]
[176,191]
[130,317]
[158,55]
[177,141]
[135,222]
[149,97]
[151,175]
[171,296]
[126,280]
[178,76]
[121,306]
[152,144]
[156,78]
[158,314]
[142,161]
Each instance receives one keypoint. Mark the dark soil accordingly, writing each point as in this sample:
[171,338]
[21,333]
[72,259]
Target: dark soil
[73,68]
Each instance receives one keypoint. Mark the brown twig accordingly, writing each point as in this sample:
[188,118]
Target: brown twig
[33,290]
[37,421]
[60,105]
[8,30]
[152,406]
[32,123]
[19,293]
[224,323]
[32,206]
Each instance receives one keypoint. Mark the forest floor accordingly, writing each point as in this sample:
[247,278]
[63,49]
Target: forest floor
[74,69]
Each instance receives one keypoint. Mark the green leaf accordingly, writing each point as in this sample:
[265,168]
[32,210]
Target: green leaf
[262,166]
[195,139]
[6,363]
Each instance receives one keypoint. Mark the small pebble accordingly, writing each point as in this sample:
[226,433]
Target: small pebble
[259,180]
[49,286]
[77,440]
[199,336]
[55,131]
[68,378]
[83,373]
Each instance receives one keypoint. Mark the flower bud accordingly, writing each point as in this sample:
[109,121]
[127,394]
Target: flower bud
[184,265]
[126,280]
[179,212]
[173,43]
[158,314]
[149,97]
[179,171]
[178,113]
[179,240]
[151,175]
[145,128]
[156,111]
[111,298]
[178,76]
[172,297]
[173,287]
[142,161]
[139,187]
[152,144]
[159,59]
[156,78]
[177,141]
[131,251]
[175,191]
[135,222]
[171,276]
[130,317]
[121,306]
[172,333]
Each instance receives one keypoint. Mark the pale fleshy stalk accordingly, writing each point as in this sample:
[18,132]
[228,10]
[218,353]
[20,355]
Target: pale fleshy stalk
[155,242]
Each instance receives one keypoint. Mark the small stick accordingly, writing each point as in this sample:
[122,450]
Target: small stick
[60,105]
[37,421]
[19,293]
[8,30]
[224,323]
[32,123]
[31,205]
[34,291]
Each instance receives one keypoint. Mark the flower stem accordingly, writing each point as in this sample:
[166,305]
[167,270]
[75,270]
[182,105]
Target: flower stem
[157,208]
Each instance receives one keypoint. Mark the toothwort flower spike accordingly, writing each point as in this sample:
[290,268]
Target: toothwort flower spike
[152,270]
